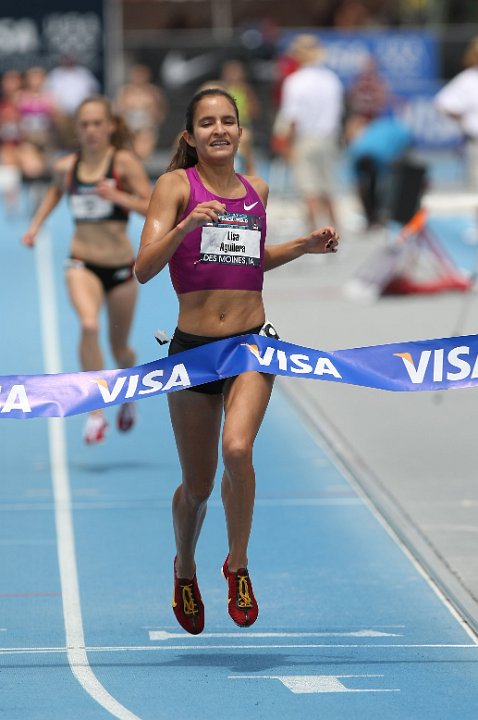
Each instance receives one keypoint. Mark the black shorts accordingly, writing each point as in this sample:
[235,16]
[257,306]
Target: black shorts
[185,341]
[109,277]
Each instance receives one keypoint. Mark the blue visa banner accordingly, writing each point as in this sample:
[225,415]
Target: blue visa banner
[41,33]
[440,364]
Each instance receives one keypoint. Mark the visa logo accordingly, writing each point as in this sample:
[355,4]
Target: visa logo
[153,382]
[452,365]
[16,399]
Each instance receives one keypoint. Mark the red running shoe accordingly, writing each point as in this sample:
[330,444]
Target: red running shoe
[126,417]
[187,604]
[242,605]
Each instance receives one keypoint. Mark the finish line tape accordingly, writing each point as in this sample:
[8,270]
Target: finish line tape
[440,364]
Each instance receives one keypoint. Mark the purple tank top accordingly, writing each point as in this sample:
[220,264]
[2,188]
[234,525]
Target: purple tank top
[227,255]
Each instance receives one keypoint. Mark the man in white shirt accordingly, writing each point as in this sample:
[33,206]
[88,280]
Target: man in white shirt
[70,84]
[311,108]
[459,100]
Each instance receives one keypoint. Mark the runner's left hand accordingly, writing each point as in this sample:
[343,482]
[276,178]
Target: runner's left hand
[323,240]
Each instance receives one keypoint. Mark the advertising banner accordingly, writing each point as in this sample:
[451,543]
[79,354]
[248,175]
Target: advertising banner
[41,33]
[440,364]
[408,60]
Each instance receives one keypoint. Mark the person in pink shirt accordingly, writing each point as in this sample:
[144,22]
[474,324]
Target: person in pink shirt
[194,206]
[38,118]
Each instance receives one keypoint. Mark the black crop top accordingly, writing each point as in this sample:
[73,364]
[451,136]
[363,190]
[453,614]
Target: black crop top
[86,205]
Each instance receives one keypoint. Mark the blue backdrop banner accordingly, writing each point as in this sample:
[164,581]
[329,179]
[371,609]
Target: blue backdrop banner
[440,364]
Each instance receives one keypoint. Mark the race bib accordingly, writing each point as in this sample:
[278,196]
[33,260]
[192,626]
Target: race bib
[90,206]
[234,240]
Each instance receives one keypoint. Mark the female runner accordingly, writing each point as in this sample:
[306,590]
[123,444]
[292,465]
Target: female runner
[104,181]
[193,208]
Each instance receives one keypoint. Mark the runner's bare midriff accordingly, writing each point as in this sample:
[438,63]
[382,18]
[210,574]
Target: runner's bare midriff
[215,313]
[102,243]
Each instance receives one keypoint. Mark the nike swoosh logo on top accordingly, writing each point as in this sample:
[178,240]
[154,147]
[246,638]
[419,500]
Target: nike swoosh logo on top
[249,207]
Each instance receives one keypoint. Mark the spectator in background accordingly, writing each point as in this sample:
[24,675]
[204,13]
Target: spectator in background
[285,66]
[459,100]
[311,115]
[70,83]
[352,14]
[10,137]
[233,79]
[373,151]
[10,132]
[368,97]
[38,115]
[144,108]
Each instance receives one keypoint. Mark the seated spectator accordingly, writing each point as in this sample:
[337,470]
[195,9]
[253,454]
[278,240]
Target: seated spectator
[373,150]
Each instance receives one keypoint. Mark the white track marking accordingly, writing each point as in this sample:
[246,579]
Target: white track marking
[75,641]
[300,684]
[240,646]
[164,635]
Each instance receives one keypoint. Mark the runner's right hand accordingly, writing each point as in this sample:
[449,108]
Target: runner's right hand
[202,214]
[28,238]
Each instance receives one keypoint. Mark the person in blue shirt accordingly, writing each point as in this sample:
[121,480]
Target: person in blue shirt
[372,152]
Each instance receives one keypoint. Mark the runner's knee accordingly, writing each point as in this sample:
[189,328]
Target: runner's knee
[197,493]
[124,355]
[89,328]
[236,453]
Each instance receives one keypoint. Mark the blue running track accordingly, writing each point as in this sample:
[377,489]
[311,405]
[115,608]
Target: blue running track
[349,627]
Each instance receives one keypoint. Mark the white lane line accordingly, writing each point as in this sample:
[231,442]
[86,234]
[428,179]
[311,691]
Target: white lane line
[240,646]
[155,503]
[164,635]
[75,640]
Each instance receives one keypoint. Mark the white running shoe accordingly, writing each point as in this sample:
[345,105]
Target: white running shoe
[95,429]
[126,417]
